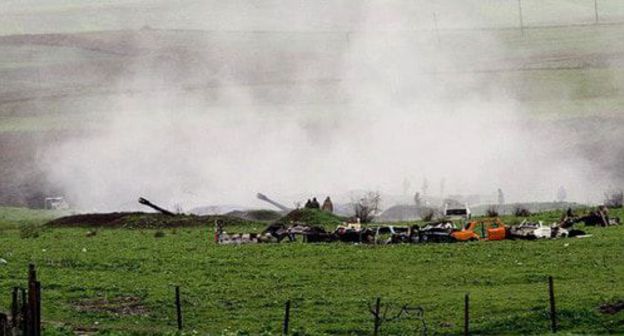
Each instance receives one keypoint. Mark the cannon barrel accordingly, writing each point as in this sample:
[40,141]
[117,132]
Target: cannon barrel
[155,207]
[268,200]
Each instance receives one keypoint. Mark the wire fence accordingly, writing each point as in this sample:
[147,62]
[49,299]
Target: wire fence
[519,14]
[25,317]
[467,15]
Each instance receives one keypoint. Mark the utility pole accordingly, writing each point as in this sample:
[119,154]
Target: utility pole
[596,10]
[520,17]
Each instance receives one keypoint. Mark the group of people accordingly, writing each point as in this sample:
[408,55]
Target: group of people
[314,204]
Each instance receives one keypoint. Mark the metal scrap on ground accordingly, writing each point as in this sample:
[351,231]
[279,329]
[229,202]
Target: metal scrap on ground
[296,224]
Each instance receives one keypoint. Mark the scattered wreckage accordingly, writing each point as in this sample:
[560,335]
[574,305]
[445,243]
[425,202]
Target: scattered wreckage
[598,217]
[444,231]
[490,229]
[276,233]
[531,230]
[537,230]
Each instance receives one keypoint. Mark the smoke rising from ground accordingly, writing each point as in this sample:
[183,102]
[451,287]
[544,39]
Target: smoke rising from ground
[342,112]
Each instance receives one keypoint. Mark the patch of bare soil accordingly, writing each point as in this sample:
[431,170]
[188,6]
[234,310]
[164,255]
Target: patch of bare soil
[119,305]
[84,330]
[256,215]
[141,220]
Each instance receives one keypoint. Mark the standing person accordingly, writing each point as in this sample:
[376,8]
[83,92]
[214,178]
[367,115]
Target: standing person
[328,206]
[315,204]
[308,204]
[218,230]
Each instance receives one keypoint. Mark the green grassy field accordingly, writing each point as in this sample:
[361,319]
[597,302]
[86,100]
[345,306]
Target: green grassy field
[242,289]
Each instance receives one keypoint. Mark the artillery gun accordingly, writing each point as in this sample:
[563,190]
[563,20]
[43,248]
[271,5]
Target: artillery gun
[155,207]
[272,202]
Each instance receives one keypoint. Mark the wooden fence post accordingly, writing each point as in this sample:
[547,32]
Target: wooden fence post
[24,312]
[466,315]
[286,318]
[4,325]
[14,307]
[553,310]
[38,308]
[178,307]
[377,317]
[34,318]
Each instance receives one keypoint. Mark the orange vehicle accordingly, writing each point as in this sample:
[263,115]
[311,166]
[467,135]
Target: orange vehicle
[490,229]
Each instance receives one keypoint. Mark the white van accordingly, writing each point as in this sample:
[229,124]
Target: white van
[455,213]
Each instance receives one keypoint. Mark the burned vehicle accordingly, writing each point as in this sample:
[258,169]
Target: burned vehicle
[392,232]
[436,232]
[409,236]
[354,234]
[307,233]
[535,230]
[440,232]
[486,228]
[317,234]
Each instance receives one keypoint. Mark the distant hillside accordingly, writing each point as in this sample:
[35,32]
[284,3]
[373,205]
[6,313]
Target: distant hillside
[294,67]
[45,16]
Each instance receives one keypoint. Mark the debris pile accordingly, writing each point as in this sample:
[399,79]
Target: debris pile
[597,217]
[444,231]
[537,230]
[274,233]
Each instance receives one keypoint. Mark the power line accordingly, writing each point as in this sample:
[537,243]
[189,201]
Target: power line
[520,17]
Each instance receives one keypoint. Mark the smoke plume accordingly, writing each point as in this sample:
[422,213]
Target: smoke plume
[357,99]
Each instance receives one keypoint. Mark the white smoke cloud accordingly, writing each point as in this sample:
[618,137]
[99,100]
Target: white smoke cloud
[398,106]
